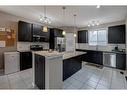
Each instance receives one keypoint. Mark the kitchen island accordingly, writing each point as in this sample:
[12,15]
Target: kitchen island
[51,68]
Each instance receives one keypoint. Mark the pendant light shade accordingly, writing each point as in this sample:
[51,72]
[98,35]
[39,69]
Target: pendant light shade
[64,32]
[75,35]
[75,25]
[45,29]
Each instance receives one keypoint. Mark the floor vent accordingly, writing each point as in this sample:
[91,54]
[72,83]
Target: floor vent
[95,65]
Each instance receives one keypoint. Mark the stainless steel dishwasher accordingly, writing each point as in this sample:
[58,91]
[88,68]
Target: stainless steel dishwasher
[109,59]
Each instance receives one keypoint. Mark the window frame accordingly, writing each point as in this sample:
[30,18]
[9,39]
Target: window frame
[97,36]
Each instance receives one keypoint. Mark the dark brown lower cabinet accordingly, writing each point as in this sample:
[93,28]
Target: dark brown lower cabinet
[92,56]
[121,61]
[25,60]
[71,66]
[40,71]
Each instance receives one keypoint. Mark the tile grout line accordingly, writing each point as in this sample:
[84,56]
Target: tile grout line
[99,79]
[125,82]
[111,80]
[9,82]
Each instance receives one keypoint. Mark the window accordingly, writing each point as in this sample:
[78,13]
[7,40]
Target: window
[98,37]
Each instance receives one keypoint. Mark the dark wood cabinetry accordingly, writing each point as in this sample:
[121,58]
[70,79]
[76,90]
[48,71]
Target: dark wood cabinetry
[38,34]
[57,32]
[54,32]
[25,60]
[24,31]
[40,71]
[95,57]
[116,34]
[92,56]
[121,61]
[28,32]
[83,36]
[37,29]
[71,66]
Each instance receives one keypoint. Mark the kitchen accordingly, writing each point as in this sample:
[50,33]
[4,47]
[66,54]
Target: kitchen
[95,56]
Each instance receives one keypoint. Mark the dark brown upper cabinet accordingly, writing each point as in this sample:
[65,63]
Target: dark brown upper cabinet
[39,34]
[24,31]
[83,36]
[56,32]
[28,32]
[116,34]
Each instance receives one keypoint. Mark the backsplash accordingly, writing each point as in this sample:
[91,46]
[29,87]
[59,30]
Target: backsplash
[22,46]
[108,47]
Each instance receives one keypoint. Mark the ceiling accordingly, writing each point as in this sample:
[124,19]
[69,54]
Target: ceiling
[105,14]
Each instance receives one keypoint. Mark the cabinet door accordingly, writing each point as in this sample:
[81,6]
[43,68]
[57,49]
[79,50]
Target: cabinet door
[121,61]
[65,69]
[116,34]
[25,60]
[71,66]
[93,57]
[38,31]
[58,33]
[24,32]
[40,71]
[83,36]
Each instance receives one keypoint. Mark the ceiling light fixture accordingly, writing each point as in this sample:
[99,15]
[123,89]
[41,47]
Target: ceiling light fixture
[75,25]
[98,6]
[64,32]
[93,23]
[45,20]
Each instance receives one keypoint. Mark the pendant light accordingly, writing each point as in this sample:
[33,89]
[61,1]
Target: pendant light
[64,32]
[45,20]
[75,25]
[45,29]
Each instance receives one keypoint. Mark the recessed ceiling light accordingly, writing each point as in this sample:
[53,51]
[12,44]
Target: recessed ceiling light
[98,6]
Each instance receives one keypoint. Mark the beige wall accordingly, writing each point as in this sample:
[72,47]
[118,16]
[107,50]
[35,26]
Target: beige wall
[7,21]
[7,24]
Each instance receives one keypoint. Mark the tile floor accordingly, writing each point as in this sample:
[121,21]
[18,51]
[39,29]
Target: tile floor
[87,78]
[94,78]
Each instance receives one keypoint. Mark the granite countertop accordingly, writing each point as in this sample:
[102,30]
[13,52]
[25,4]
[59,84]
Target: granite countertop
[67,55]
[120,52]
[48,54]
